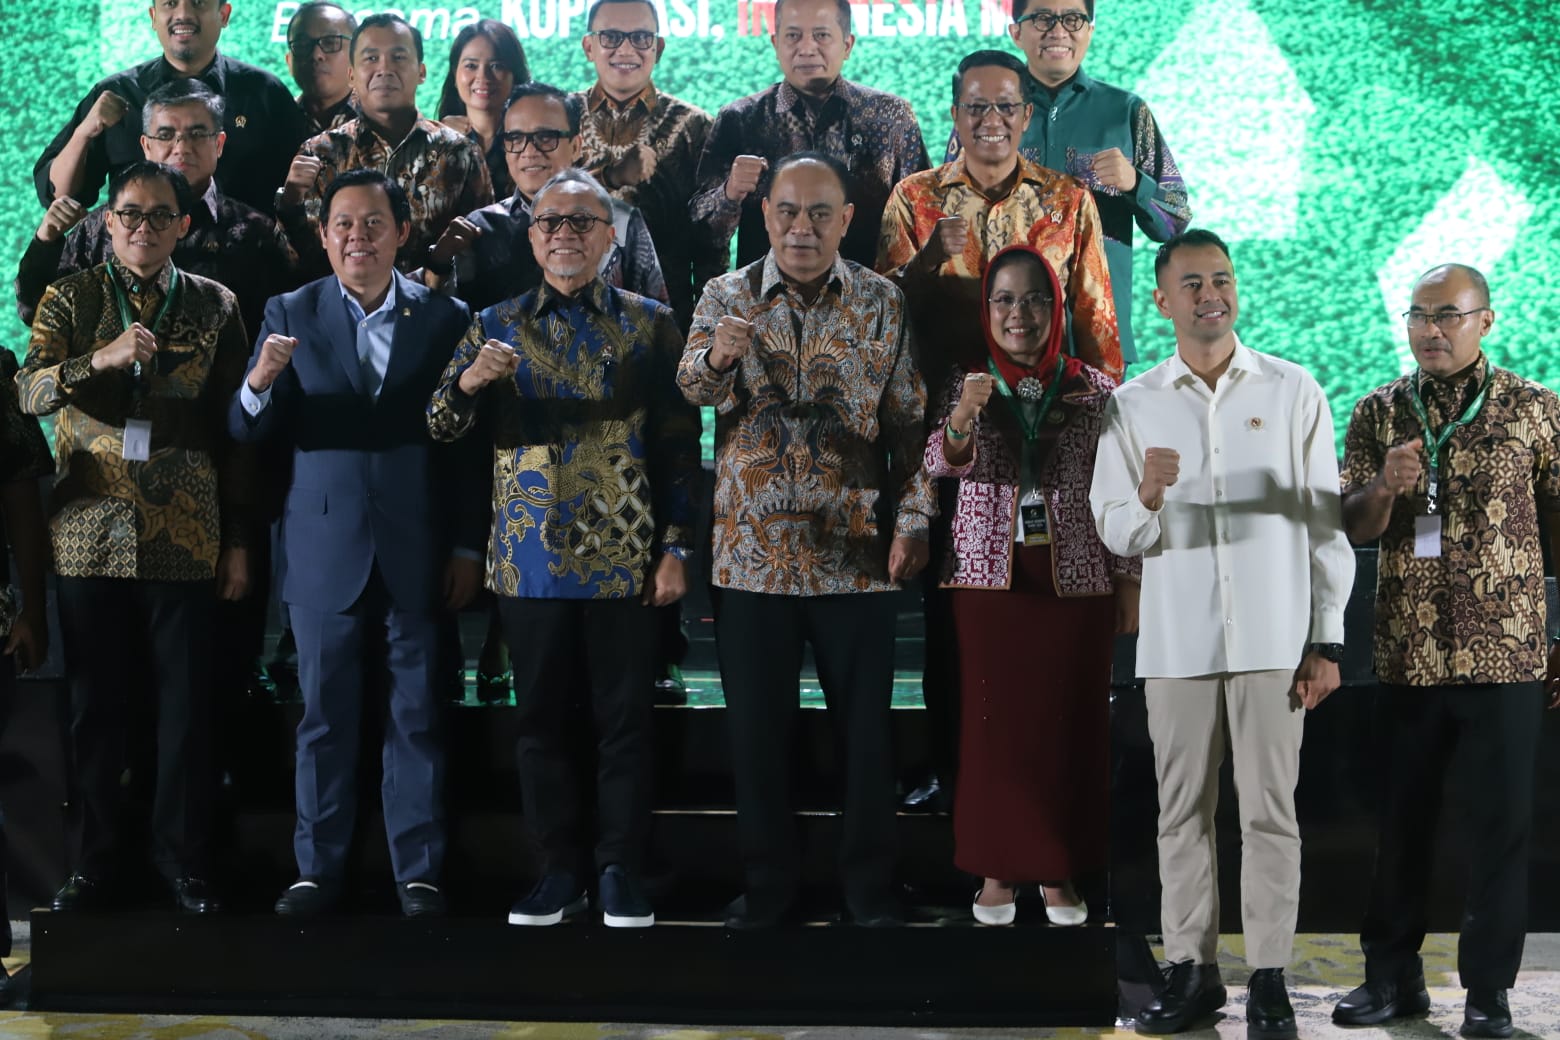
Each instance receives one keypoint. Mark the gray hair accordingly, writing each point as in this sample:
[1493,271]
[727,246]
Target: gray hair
[183,92]
[575,175]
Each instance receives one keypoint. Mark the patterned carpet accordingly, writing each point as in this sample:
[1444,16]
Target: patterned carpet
[1325,967]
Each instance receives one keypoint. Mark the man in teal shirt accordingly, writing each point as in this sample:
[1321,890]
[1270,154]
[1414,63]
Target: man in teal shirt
[1104,136]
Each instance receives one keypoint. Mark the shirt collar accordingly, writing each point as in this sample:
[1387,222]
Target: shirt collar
[213,75]
[1242,360]
[383,311]
[212,200]
[951,173]
[365,134]
[593,296]
[133,284]
[789,98]
[1429,386]
[773,281]
[596,99]
[1080,83]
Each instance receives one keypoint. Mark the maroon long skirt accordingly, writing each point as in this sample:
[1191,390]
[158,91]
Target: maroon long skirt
[1032,801]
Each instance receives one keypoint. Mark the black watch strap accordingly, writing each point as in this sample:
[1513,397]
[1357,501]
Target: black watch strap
[1331,651]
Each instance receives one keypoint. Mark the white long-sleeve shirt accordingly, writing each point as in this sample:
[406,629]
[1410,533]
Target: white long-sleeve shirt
[1246,562]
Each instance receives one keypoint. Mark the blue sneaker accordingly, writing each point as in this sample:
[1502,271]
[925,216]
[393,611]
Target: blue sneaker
[555,897]
[623,902]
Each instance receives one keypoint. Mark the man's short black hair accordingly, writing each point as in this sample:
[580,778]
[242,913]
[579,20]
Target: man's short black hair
[987,60]
[840,171]
[590,19]
[1189,238]
[400,208]
[573,107]
[385,20]
[183,92]
[841,7]
[146,170]
[1474,275]
[316,5]
[1020,6]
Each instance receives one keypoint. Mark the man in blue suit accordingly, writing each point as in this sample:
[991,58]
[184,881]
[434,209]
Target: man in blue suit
[382,531]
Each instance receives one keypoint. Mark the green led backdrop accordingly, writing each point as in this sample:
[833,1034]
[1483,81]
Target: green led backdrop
[1341,147]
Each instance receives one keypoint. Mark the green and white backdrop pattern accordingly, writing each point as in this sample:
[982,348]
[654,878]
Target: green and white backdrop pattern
[1341,146]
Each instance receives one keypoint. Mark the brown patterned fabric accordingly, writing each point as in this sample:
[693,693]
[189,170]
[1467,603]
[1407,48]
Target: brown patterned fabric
[24,454]
[1476,614]
[158,520]
[819,432]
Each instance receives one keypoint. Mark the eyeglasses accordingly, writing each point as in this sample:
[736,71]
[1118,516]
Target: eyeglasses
[159,219]
[1033,302]
[978,110]
[612,39]
[199,135]
[1045,21]
[304,45]
[544,141]
[1442,319]
[580,223]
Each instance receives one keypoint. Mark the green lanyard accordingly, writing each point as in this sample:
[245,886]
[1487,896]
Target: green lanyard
[1435,442]
[128,319]
[1052,392]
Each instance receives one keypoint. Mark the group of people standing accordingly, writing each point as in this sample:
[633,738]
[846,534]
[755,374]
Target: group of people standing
[437,356]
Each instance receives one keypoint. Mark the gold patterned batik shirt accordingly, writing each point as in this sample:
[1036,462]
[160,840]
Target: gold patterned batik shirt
[164,519]
[819,431]
[595,453]
[1046,210]
[1475,615]
[444,175]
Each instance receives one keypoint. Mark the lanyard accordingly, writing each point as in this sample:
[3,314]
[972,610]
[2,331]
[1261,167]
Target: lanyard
[1052,392]
[1436,441]
[124,307]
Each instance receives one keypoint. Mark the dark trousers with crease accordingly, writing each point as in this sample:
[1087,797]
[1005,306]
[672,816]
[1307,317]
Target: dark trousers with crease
[759,639]
[614,643]
[105,623]
[1494,730]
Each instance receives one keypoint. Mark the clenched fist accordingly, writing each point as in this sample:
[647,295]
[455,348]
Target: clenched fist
[745,173]
[495,361]
[1161,469]
[301,176]
[63,214]
[135,344]
[106,111]
[275,355]
[973,398]
[1401,469]
[949,239]
[1115,170]
[733,338]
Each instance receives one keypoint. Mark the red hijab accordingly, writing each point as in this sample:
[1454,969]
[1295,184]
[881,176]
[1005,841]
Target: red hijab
[1055,338]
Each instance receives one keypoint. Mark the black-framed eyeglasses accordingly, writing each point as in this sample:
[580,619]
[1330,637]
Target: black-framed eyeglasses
[332,44]
[1045,21]
[579,223]
[1442,319]
[159,219]
[544,141]
[612,39]
[1033,302]
[196,135]
[978,110]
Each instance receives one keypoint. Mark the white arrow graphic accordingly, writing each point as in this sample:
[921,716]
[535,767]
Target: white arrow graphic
[1241,156]
[1475,223]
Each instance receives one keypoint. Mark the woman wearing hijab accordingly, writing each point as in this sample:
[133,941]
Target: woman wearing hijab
[1037,601]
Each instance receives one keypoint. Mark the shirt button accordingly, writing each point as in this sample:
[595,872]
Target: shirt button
[1229,621]
[1216,451]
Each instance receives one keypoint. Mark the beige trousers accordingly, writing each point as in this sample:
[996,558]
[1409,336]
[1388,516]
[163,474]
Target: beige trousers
[1188,720]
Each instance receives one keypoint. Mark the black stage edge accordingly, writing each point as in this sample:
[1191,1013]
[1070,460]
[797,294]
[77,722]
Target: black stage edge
[379,967]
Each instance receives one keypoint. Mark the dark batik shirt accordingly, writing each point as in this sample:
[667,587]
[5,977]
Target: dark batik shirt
[264,128]
[676,131]
[164,519]
[1475,614]
[596,455]
[342,111]
[227,242]
[873,133]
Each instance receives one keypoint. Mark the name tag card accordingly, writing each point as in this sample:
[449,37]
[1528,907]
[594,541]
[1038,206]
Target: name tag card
[138,440]
[1427,537]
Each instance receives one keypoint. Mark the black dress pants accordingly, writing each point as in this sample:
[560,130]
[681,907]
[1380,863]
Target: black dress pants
[105,623]
[614,643]
[759,639]
[1494,730]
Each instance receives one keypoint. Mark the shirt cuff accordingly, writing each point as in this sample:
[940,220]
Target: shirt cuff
[75,371]
[468,554]
[1327,626]
[253,403]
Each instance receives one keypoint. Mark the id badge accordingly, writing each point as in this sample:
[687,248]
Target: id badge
[1427,537]
[138,440]
[1036,523]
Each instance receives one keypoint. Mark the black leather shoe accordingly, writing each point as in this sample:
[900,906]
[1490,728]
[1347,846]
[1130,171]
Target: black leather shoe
[420,899]
[1487,1013]
[1377,1002]
[878,912]
[80,893]
[1269,1015]
[194,895]
[930,797]
[744,915]
[308,897]
[1192,992]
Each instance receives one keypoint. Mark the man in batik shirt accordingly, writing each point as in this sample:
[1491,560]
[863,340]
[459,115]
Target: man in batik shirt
[320,61]
[872,133]
[594,467]
[443,173]
[821,510]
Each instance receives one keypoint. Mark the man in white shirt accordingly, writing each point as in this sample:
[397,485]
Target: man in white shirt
[1218,466]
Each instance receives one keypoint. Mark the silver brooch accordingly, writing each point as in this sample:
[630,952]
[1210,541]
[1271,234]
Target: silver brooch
[1029,389]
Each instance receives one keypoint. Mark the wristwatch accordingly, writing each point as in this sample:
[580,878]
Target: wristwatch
[1329,651]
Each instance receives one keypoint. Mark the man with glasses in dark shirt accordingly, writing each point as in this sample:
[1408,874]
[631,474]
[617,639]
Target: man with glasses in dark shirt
[264,126]
[320,62]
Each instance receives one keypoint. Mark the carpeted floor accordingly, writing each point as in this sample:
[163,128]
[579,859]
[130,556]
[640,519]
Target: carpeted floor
[1325,967]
